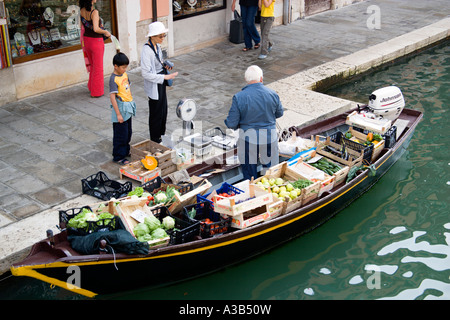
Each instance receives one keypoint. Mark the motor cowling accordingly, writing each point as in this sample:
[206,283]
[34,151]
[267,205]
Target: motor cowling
[387,102]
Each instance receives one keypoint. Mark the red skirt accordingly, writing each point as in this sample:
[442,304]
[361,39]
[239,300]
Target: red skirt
[95,49]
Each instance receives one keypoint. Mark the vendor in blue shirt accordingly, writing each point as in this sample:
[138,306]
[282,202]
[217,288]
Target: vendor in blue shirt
[254,111]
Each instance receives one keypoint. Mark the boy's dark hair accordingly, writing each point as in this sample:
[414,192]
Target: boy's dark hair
[120,59]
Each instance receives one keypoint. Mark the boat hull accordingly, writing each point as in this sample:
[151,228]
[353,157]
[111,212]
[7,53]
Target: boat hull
[104,274]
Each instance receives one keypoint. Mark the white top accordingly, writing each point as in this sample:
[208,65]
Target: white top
[150,67]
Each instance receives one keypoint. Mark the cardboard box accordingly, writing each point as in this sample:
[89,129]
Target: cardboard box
[136,171]
[166,157]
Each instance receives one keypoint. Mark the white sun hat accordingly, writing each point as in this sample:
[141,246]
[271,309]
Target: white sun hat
[156,28]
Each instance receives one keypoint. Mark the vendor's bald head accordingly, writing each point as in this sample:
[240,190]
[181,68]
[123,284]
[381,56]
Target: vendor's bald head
[253,74]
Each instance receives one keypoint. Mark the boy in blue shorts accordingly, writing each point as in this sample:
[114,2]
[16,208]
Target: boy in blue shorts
[123,108]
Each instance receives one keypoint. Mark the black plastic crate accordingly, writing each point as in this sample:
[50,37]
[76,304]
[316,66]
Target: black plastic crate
[204,211]
[184,231]
[157,184]
[108,224]
[390,137]
[100,186]
[338,137]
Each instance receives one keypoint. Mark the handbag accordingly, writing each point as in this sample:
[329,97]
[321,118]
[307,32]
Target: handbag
[168,83]
[236,29]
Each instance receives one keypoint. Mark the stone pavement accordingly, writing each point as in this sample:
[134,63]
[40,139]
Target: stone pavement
[48,143]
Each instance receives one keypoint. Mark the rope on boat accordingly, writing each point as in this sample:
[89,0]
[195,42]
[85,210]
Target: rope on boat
[114,255]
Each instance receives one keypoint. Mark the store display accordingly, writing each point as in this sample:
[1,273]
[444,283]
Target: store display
[43,26]
[184,9]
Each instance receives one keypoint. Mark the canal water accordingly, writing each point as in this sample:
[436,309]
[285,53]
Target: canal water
[391,243]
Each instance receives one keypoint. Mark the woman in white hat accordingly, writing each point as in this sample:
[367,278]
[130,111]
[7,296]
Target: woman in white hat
[153,72]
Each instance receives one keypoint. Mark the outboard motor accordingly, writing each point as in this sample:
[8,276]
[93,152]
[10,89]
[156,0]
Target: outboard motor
[387,102]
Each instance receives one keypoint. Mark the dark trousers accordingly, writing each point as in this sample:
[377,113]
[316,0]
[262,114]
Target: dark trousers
[251,154]
[248,24]
[121,139]
[157,116]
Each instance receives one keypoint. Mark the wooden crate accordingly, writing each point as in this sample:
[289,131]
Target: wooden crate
[283,170]
[310,173]
[189,198]
[166,161]
[355,157]
[125,209]
[339,176]
[136,171]
[252,197]
[257,215]
[377,146]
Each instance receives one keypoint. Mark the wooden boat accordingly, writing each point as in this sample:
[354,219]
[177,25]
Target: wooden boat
[50,260]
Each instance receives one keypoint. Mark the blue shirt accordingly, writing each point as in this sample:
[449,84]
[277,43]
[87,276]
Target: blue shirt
[255,107]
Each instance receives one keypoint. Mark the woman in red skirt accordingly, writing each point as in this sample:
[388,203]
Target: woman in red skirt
[92,40]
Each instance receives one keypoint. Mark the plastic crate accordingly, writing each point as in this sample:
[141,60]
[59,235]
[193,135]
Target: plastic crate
[338,137]
[100,186]
[108,224]
[204,210]
[390,137]
[157,184]
[224,188]
[184,231]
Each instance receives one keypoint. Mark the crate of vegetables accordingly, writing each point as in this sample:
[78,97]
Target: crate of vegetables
[326,181]
[179,230]
[251,198]
[155,225]
[279,181]
[226,190]
[331,168]
[84,220]
[211,223]
[366,147]
[374,140]
[335,152]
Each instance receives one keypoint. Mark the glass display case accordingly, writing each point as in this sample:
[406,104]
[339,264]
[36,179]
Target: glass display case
[188,8]
[39,28]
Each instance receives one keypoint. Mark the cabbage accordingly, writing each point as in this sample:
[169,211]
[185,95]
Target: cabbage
[138,191]
[141,229]
[152,222]
[159,233]
[145,238]
[168,222]
[80,220]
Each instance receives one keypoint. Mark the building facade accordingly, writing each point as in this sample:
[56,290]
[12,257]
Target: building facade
[40,39]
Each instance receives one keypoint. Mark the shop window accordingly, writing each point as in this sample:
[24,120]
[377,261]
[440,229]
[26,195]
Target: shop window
[188,8]
[41,28]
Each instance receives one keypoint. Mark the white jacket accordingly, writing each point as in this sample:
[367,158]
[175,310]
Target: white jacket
[150,67]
